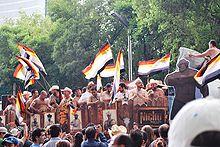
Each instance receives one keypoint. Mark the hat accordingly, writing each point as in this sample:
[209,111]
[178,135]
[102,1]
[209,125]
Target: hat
[117,130]
[152,81]
[10,140]
[12,97]
[54,87]
[194,118]
[14,131]
[3,130]
[67,89]
[108,85]
[26,92]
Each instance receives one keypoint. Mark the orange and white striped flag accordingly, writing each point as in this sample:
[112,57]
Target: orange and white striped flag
[101,59]
[154,65]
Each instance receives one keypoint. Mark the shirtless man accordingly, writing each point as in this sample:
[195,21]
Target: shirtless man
[35,94]
[40,105]
[211,52]
[95,96]
[106,96]
[75,99]
[139,95]
[10,112]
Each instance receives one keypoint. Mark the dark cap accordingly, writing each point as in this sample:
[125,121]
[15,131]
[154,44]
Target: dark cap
[10,140]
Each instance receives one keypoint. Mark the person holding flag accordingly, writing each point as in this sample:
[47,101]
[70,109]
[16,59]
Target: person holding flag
[210,53]
[210,72]
[119,91]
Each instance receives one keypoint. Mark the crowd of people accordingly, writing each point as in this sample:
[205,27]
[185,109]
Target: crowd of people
[61,100]
[90,136]
[195,124]
[57,100]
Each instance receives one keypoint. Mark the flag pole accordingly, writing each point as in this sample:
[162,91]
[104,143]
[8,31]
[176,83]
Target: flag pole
[45,81]
[40,84]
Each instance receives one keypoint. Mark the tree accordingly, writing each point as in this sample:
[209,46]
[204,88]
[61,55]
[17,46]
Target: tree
[32,31]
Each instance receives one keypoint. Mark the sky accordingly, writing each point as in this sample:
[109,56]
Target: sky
[10,8]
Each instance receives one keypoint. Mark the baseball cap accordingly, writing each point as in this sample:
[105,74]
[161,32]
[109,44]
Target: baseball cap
[10,140]
[195,118]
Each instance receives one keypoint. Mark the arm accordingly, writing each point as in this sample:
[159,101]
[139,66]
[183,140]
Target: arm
[204,54]
[5,111]
[23,139]
[89,101]
[132,95]
[32,106]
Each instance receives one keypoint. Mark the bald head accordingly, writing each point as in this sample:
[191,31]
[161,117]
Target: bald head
[43,94]
[139,83]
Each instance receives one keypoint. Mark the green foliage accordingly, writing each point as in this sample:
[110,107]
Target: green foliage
[32,31]
[69,37]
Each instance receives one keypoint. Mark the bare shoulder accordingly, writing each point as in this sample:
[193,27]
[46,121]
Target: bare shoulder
[213,51]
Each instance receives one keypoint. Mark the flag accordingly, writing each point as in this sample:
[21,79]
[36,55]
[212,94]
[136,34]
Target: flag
[99,82]
[100,61]
[194,62]
[32,56]
[73,109]
[154,65]
[109,70]
[29,66]
[116,75]
[29,82]
[20,72]
[209,72]
[20,107]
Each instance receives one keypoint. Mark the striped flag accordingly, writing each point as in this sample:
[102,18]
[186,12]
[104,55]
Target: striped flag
[26,71]
[30,81]
[154,65]
[109,70]
[99,83]
[20,72]
[32,56]
[20,107]
[100,61]
[116,75]
[29,66]
[209,72]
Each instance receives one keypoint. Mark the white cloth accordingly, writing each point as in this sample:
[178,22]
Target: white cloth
[84,97]
[194,118]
